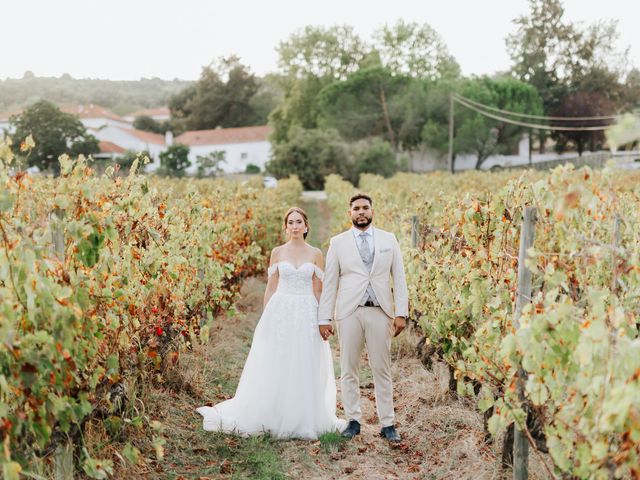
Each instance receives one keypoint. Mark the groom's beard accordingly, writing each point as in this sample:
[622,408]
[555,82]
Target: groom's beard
[362,222]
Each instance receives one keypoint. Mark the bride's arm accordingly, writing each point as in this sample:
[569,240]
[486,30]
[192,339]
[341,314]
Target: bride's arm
[272,282]
[317,282]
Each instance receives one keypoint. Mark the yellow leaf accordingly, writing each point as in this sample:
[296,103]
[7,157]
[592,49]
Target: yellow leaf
[11,471]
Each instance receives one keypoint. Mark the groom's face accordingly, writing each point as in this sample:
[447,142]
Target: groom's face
[361,213]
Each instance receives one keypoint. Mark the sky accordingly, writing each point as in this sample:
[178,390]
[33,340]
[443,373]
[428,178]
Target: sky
[130,39]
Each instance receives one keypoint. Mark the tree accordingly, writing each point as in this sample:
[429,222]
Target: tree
[631,92]
[252,169]
[555,56]
[422,102]
[415,50]
[435,102]
[54,133]
[484,136]
[148,124]
[474,132]
[267,97]
[322,52]
[310,60]
[174,161]
[120,96]
[312,155]
[583,104]
[221,97]
[315,62]
[364,105]
[299,108]
[180,107]
[210,165]
[375,156]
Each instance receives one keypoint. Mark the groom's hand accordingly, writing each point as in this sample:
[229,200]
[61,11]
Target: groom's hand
[399,323]
[325,331]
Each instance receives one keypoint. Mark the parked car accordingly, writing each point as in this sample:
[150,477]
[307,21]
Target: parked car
[270,182]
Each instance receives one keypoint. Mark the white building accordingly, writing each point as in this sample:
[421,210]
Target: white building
[95,116]
[242,146]
[135,140]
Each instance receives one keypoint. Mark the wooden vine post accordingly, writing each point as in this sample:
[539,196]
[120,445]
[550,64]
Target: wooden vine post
[64,462]
[520,442]
[57,233]
[414,231]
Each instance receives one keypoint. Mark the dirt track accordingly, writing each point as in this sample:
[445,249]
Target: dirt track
[442,437]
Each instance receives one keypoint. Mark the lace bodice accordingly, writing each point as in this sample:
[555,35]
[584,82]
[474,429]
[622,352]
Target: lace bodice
[295,280]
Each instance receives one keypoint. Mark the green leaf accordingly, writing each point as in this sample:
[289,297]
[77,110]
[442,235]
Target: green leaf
[537,390]
[131,453]
[98,469]
[6,201]
[485,403]
[113,364]
[496,424]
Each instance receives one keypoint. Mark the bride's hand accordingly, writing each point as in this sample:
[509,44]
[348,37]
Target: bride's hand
[325,331]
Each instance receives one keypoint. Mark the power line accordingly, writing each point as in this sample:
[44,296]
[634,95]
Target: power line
[525,124]
[539,117]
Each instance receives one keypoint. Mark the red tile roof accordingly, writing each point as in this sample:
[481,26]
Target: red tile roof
[224,136]
[82,111]
[110,147]
[4,116]
[91,111]
[147,137]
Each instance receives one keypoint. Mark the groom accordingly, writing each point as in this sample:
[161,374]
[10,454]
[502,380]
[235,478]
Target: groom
[365,291]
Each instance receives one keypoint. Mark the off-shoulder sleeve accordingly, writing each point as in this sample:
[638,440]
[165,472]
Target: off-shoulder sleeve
[272,269]
[319,273]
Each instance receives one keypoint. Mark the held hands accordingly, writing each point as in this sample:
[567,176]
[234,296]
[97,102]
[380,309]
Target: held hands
[399,323]
[325,331]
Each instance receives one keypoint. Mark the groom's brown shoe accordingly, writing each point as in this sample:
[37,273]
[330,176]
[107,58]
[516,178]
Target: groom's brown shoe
[390,434]
[352,429]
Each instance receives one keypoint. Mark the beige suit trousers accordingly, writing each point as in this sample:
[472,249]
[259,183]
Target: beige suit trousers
[368,326]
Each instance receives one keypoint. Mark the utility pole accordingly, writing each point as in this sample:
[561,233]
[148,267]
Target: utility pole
[451,132]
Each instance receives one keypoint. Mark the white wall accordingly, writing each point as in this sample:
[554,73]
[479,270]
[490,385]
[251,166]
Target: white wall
[92,123]
[130,142]
[427,160]
[257,153]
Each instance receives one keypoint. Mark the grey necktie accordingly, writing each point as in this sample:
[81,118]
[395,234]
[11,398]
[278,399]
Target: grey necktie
[365,254]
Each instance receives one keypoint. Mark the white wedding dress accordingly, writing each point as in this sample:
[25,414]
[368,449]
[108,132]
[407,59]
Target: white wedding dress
[287,386]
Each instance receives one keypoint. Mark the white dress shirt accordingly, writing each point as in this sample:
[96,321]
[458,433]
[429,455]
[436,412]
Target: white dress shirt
[357,233]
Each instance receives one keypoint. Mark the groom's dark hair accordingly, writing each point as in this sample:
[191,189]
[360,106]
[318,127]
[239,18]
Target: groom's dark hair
[359,196]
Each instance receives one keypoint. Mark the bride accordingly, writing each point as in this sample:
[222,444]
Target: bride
[287,386]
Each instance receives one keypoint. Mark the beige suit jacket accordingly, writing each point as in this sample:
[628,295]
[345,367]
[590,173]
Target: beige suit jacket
[346,277]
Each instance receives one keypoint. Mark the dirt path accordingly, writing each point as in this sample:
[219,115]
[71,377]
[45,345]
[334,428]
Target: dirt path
[442,437]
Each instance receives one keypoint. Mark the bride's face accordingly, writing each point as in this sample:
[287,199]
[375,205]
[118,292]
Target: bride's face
[295,226]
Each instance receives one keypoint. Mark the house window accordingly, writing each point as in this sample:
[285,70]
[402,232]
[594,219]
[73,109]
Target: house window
[244,156]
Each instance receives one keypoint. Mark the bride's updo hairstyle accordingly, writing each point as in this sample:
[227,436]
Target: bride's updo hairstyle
[304,216]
